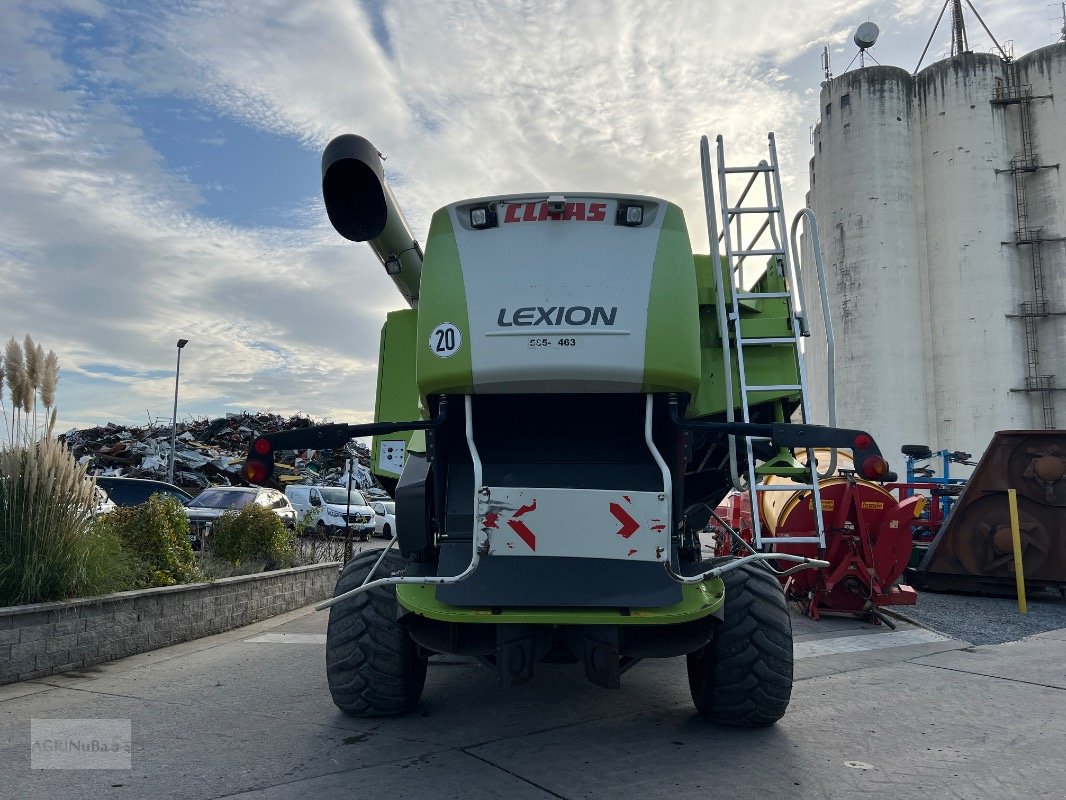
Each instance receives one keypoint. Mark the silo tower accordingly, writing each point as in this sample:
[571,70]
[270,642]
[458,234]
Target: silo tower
[943,219]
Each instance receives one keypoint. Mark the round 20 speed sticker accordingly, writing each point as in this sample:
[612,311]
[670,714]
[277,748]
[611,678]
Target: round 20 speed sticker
[445,340]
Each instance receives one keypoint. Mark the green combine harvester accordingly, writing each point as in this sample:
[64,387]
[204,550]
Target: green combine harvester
[566,399]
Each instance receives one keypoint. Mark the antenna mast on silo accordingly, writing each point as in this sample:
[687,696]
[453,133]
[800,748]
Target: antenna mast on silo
[958,30]
[959,44]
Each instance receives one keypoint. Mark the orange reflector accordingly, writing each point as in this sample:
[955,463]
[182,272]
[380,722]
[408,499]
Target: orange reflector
[254,471]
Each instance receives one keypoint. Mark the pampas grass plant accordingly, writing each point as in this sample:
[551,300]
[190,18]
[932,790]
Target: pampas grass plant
[50,547]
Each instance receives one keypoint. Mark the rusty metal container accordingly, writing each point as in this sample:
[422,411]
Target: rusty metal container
[973,551]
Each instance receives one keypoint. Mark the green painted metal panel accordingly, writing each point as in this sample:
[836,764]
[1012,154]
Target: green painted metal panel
[397,393]
[766,364]
[698,600]
[672,344]
[442,301]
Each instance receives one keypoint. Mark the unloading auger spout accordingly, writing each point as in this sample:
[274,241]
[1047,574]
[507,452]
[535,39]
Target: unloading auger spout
[362,208]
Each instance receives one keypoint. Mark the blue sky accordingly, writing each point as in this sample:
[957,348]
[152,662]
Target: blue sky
[161,161]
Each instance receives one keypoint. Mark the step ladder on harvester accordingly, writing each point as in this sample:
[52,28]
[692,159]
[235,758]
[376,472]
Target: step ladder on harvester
[766,244]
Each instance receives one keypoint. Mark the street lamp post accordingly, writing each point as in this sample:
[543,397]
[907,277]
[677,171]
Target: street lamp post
[174,419]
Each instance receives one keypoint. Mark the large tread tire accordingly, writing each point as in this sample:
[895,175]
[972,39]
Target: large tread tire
[373,667]
[743,677]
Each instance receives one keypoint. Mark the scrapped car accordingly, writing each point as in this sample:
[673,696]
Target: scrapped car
[134,491]
[328,508]
[215,501]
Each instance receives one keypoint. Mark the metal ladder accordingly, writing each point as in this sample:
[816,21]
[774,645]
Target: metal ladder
[771,212]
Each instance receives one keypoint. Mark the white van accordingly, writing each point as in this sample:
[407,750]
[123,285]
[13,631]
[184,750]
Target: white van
[325,508]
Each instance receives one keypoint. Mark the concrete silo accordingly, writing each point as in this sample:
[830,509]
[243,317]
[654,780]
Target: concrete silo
[942,224]
[973,349]
[865,195]
[1039,147]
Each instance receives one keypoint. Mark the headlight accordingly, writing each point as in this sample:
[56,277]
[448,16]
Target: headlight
[334,512]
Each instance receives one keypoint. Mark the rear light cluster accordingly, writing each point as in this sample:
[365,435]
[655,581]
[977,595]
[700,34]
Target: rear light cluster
[482,217]
[260,464]
[630,215]
[871,466]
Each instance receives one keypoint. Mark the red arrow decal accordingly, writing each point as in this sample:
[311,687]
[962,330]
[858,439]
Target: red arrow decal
[524,533]
[490,519]
[629,525]
[525,509]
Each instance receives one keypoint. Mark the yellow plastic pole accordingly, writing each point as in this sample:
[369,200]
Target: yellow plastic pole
[1016,535]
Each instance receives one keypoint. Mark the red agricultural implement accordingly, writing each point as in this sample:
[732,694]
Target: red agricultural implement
[867,543]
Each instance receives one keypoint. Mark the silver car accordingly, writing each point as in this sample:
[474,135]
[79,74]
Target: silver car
[215,501]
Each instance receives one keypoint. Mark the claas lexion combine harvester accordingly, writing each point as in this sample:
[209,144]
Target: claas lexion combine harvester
[572,392]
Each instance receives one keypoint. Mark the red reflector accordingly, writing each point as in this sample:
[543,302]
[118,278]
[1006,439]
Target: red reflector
[254,472]
[863,441]
[262,446]
[874,467]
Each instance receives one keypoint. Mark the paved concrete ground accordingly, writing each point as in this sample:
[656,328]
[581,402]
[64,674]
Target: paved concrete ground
[906,714]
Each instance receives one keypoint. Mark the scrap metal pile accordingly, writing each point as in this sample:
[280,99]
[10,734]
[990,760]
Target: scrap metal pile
[212,452]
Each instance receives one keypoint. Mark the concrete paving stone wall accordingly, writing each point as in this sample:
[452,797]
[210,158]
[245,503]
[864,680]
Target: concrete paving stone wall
[45,638]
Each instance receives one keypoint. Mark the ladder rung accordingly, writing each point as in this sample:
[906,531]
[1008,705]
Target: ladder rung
[762,295]
[779,387]
[759,168]
[753,210]
[793,540]
[770,340]
[781,487]
[746,253]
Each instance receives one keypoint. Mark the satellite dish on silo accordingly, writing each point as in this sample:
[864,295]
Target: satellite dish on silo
[866,35]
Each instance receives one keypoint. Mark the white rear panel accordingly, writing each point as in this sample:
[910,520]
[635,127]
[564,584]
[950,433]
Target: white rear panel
[558,297]
[576,523]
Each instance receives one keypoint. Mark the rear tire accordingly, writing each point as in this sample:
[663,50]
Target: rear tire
[743,677]
[386,531]
[372,665]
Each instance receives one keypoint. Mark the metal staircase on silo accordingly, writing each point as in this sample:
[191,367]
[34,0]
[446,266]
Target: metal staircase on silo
[1032,310]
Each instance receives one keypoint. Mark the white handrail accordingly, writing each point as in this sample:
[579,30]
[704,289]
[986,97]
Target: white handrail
[827,320]
[723,321]
[479,544]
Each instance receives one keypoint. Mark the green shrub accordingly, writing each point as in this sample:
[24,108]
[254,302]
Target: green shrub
[255,532]
[50,548]
[156,534]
